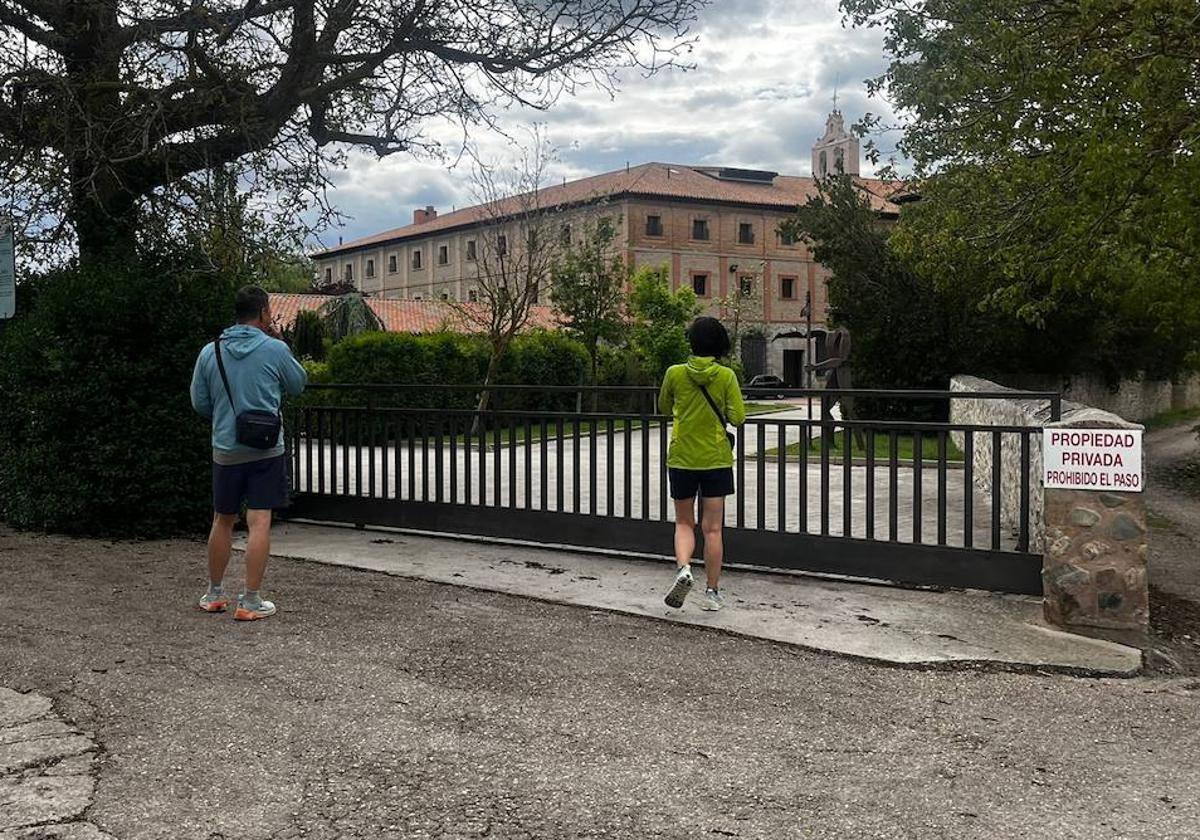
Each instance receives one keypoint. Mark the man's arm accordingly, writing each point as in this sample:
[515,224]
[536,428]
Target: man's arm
[292,375]
[201,398]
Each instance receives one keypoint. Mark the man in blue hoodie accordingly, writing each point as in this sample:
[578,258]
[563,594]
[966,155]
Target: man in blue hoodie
[260,369]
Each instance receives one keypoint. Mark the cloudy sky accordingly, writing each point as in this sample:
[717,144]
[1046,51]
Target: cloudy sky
[765,73]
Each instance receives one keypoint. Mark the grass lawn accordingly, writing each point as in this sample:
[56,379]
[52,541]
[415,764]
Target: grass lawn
[904,448]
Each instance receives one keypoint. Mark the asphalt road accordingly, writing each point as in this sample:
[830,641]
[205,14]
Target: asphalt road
[374,707]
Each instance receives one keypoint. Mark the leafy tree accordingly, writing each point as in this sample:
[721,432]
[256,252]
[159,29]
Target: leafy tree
[660,319]
[111,108]
[516,251]
[588,291]
[1054,147]
[907,334]
[349,315]
[308,336]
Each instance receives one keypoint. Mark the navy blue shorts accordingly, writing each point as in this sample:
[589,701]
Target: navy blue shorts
[262,485]
[710,484]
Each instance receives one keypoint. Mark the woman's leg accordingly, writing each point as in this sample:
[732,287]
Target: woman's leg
[712,520]
[685,531]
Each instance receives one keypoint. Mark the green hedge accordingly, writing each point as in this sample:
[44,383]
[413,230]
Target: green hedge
[538,357]
[97,433]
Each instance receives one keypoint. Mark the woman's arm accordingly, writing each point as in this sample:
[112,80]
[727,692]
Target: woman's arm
[735,407]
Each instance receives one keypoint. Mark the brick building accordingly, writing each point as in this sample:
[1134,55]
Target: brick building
[716,228]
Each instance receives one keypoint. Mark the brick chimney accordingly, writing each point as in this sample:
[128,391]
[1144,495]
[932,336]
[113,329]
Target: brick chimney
[420,217]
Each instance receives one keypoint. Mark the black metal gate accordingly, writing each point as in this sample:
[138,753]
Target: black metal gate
[907,506]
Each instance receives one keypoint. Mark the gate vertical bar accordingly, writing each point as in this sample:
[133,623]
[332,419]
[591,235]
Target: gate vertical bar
[918,445]
[760,512]
[968,488]
[847,475]
[941,487]
[893,486]
[781,477]
[997,453]
[1023,528]
[628,482]
[870,512]
[610,456]
[802,490]
[544,474]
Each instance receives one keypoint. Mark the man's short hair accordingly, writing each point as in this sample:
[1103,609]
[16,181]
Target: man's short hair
[250,303]
[708,337]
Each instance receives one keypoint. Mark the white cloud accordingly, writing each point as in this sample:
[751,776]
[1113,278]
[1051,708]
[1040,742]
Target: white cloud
[762,85]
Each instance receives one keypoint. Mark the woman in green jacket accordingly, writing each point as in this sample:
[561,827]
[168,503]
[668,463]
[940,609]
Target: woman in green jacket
[702,396]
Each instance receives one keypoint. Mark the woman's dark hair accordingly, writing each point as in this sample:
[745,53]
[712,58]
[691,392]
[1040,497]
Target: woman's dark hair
[708,337]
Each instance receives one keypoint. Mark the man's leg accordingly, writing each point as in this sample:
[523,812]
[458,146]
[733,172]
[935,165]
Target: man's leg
[220,544]
[258,547]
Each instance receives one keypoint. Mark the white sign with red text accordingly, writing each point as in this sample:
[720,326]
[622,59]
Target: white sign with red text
[1093,459]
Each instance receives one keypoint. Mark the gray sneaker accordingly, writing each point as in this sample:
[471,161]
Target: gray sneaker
[680,588]
[712,600]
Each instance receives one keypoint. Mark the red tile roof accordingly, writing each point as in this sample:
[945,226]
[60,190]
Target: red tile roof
[650,180]
[414,316]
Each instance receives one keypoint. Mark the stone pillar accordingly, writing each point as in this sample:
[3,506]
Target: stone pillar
[1094,567]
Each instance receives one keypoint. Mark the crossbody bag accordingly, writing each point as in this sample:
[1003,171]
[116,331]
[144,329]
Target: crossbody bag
[255,429]
[720,416]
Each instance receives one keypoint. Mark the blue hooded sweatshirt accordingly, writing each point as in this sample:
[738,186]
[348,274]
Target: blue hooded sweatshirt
[261,370]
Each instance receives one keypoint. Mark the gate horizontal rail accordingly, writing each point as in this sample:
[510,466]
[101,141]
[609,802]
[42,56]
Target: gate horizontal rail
[874,499]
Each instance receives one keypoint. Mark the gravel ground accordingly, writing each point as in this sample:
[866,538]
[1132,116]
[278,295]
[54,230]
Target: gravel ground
[1173,502]
[375,707]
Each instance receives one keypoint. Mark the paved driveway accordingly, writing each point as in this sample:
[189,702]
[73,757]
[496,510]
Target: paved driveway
[375,707]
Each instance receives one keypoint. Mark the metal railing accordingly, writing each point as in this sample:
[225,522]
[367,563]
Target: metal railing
[889,499]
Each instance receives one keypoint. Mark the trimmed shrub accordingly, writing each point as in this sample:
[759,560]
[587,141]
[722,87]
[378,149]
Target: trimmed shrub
[407,359]
[97,432]
[542,357]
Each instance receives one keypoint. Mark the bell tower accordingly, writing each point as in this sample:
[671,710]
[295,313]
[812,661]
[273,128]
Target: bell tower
[837,150]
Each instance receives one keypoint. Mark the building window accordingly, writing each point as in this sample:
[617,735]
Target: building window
[654,226]
[445,296]
[747,286]
[502,244]
[746,233]
[416,261]
[349,273]
[786,237]
[370,268]
[700,229]
[473,295]
[329,275]
[417,297]
[531,240]
[391,264]
[534,292]
[605,227]
[700,284]
[564,236]
[443,255]
[787,288]
[470,250]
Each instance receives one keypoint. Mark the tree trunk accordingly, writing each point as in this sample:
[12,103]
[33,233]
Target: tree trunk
[485,395]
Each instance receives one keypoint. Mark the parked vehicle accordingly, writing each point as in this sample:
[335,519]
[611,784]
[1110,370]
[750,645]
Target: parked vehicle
[766,381]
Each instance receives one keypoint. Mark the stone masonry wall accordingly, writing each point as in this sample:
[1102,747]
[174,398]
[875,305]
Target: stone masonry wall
[1014,412]
[1094,571]
[1135,399]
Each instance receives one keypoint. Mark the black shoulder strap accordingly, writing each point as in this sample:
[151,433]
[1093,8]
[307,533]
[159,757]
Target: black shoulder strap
[224,378]
[716,411]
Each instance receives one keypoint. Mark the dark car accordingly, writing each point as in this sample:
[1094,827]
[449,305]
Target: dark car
[765,381]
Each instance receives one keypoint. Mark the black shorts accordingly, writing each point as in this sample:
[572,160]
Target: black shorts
[262,485]
[710,484]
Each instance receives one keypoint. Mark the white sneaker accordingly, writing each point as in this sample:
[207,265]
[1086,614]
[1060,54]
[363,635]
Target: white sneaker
[680,588]
[712,600]
[253,612]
